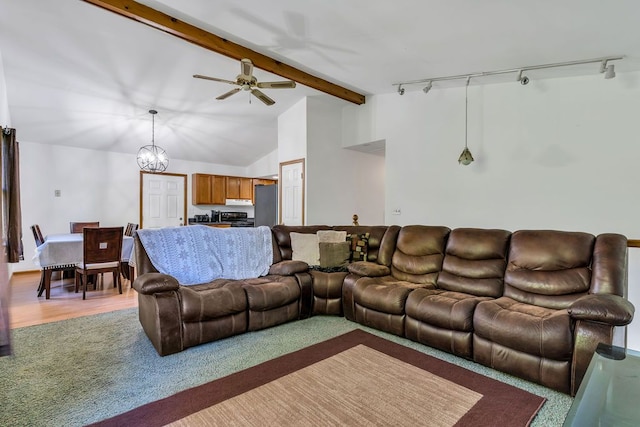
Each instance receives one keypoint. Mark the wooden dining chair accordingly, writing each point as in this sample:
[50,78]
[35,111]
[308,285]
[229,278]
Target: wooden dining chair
[102,250]
[77,227]
[131,227]
[125,268]
[39,239]
[37,234]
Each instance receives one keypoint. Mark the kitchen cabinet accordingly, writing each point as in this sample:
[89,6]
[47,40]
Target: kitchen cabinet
[239,188]
[208,189]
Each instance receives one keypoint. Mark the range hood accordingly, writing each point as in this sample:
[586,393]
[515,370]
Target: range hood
[238,202]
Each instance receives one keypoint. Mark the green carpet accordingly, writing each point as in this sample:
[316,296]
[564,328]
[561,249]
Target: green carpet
[83,370]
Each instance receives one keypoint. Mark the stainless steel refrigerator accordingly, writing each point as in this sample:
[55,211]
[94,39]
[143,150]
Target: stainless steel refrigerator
[266,207]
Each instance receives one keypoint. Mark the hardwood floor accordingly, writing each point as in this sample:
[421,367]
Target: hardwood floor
[26,308]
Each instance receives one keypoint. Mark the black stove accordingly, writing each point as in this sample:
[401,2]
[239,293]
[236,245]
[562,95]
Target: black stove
[237,219]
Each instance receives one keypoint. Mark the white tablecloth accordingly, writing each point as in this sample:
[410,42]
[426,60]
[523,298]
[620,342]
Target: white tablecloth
[66,249]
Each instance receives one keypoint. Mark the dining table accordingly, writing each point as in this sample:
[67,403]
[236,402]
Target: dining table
[66,251]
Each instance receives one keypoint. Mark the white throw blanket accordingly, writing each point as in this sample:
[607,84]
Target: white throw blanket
[199,254]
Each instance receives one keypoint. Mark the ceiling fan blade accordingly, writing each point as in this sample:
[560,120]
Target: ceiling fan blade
[215,79]
[285,84]
[246,67]
[228,94]
[262,97]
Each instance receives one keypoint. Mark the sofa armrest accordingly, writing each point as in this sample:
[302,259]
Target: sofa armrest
[605,308]
[288,268]
[152,283]
[369,269]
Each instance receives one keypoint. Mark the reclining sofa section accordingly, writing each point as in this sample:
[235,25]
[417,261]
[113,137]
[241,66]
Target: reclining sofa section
[532,303]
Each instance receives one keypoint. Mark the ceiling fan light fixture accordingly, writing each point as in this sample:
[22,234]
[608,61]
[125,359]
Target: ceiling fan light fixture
[247,81]
[152,158]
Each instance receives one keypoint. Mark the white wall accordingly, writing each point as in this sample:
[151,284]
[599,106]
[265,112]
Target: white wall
[267,166]
[555,154]
[292,133]
[94,185]
[340,182]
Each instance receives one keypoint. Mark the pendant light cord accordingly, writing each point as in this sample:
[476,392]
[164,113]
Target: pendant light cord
[466,111]
[153,127]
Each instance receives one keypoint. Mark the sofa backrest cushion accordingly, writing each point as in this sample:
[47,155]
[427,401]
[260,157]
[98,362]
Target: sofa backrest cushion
[475,261]
[549,268]
[419,253]
[282,238]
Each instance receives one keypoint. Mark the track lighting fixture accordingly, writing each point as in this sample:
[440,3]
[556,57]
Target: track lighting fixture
[427,88]
[605,67]
[524,80]
[465,157]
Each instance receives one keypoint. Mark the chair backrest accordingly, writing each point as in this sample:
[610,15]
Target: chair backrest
[77,227]
[102,244]
[130,229]
[37,234]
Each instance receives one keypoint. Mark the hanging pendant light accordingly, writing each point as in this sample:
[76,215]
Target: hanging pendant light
[152,158]
[465,157]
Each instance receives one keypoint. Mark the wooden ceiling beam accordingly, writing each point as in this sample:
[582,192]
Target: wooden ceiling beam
[168,24]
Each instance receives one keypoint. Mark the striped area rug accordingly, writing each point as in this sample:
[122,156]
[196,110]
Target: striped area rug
[351,380]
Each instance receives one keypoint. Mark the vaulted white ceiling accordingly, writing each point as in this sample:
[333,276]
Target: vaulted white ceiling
[82,76]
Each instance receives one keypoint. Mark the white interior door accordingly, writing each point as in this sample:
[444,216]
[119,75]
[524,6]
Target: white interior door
[292,192]
[164,200]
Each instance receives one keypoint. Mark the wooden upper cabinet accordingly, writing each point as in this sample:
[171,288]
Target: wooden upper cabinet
[219,184]
[239,188]
[201,189]
[207,189]
[216,189]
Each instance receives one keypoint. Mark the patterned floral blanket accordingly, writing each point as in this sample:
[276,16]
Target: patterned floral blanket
[199,254]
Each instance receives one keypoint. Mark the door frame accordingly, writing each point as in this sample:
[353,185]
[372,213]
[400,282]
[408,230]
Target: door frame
[184,176]
[302,199]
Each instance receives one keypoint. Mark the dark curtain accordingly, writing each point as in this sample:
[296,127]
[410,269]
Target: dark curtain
[11,226]
[12,213]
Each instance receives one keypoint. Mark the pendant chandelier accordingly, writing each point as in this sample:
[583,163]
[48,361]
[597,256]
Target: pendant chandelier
[152,158]
[465,157]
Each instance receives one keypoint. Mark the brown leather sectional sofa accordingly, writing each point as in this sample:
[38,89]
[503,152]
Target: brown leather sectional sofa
[532,303]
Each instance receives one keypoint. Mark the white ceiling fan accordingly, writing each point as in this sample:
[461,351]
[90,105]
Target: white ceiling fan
[246,81]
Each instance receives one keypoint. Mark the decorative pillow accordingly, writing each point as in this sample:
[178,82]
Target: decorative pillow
[334,254]
[305,248]
[331,236]
[359,246]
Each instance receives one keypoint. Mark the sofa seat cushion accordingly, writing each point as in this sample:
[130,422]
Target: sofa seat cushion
[219,298]
[444,309]
[534,330]
[384,294]
[267,293]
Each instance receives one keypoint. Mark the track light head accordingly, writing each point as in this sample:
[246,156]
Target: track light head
[427,88]
[610,72]
[607,69]
[400,90]
[524,80]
